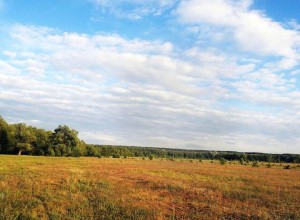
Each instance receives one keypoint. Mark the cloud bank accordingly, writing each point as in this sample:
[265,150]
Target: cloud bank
[116,90]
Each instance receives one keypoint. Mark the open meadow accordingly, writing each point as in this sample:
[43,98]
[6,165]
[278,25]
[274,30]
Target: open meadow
[133,188]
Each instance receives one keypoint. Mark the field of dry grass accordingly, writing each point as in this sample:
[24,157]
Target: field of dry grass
[132,188]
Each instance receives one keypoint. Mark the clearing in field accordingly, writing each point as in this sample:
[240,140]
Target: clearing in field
[132,188]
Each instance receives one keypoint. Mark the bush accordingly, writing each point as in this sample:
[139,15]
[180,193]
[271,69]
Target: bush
[51,153]
[151,157]
[222,161]
[255,164]
[241,160]
[116,156]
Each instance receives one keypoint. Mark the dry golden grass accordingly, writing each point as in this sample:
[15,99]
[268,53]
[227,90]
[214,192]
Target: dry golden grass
[132,188]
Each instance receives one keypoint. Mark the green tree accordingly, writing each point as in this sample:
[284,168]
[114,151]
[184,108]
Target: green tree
[24,138]
[65,142]
[269,158]
[4,135]
[42,143]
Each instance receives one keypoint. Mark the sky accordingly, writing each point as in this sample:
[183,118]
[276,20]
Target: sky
[190,74]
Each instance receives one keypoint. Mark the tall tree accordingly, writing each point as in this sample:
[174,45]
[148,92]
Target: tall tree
[4,135]
[24,137]
[42,143]
[65,142]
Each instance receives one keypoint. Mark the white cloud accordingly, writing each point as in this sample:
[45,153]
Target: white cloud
[252,30]
[136,92]
[6,68]
[101,137]
[141,92]
[9,54]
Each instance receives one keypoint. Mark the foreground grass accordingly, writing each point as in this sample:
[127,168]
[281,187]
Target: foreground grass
[93,188]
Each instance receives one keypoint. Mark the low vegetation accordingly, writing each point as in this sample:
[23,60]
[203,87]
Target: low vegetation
[118,188]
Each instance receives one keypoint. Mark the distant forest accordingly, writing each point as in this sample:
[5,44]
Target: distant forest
[63,141]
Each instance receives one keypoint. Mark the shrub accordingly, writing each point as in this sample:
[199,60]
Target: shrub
[241,160]
[255,164]
[51,152]
[151,157]
[116,156]
[222,161]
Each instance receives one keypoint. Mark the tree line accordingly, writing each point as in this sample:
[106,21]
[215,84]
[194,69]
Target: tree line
[63,141]
[23,139]
[169,153]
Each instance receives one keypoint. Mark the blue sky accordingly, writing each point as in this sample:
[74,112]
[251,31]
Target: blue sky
[215,75]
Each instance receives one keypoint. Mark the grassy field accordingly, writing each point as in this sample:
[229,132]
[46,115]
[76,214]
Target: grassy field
[132,188]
